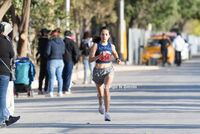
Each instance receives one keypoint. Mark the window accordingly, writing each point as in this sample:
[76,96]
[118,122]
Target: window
[152,42]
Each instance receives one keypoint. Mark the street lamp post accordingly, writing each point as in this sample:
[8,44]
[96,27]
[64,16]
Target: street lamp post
[121,26]
[67,7]
[122,46]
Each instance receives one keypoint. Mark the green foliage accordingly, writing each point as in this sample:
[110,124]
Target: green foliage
[163,14]
[188,7]
[149,11]
[193,27]
[18,4]
[45,14]
[102,10]
[130,11]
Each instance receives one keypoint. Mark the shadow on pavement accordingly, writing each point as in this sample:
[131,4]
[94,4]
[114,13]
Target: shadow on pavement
[69,127]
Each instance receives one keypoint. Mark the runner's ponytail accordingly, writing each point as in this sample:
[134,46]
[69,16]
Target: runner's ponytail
[96,39]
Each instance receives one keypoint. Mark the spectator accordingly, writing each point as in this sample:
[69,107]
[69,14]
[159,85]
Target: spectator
[70,58]
[54,51]
[103,72]
[164,44]
[9,112]
[85,46]
[6,54]
[178,45]
[43,39]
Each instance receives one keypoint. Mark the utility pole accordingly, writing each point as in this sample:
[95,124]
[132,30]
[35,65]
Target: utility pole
[67,7]
[121,26]
[121,34]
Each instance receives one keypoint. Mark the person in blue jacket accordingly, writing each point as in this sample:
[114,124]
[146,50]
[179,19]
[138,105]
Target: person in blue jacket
[54,51]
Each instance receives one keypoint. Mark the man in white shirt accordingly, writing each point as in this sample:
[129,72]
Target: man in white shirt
[178,45]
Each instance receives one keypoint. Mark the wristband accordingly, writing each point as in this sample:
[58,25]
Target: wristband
[117,58]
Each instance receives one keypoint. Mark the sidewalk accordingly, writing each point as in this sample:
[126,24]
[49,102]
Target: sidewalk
[79,73]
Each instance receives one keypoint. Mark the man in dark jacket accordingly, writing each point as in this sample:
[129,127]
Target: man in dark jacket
[9,111]
[43,61]
[70,58]
[6,54]
[164,44]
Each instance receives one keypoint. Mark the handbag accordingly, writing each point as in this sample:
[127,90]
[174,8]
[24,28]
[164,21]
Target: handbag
[12,76]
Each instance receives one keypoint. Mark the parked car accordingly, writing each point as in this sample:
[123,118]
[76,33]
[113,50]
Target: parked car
[186,53]
[152,51]
[171,35]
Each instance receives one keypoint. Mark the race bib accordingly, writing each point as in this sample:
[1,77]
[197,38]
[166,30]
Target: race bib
[107,57]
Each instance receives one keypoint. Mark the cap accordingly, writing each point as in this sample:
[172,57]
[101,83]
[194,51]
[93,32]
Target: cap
[2,28]
[45,30]
[7,27]
[68,33]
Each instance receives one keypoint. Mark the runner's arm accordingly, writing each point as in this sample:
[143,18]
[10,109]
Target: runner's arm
[92,56]
[114,52]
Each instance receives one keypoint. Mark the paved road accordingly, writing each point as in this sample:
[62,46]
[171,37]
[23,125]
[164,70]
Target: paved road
[166,101]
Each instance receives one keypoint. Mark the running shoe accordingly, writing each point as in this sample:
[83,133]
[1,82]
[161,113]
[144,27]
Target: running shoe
[107,117]
[101,109]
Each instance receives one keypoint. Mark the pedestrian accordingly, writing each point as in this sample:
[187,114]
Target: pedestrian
[54,51]
[43,39]
[178,44]
[164,44]
[103,72]
[9,111]
[70,58]
[86,45]
[6,54]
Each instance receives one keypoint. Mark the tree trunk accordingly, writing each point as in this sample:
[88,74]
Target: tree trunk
[87,22]
[78,30]
[15,21]
[182,25]
[133,23]
[23,29]
[6,5]
[85,26]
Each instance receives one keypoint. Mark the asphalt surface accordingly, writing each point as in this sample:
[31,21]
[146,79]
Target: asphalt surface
[144,100]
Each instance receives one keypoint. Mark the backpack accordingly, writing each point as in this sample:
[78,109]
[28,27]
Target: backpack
[86,49]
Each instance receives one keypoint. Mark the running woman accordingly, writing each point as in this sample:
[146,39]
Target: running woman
[103,72]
